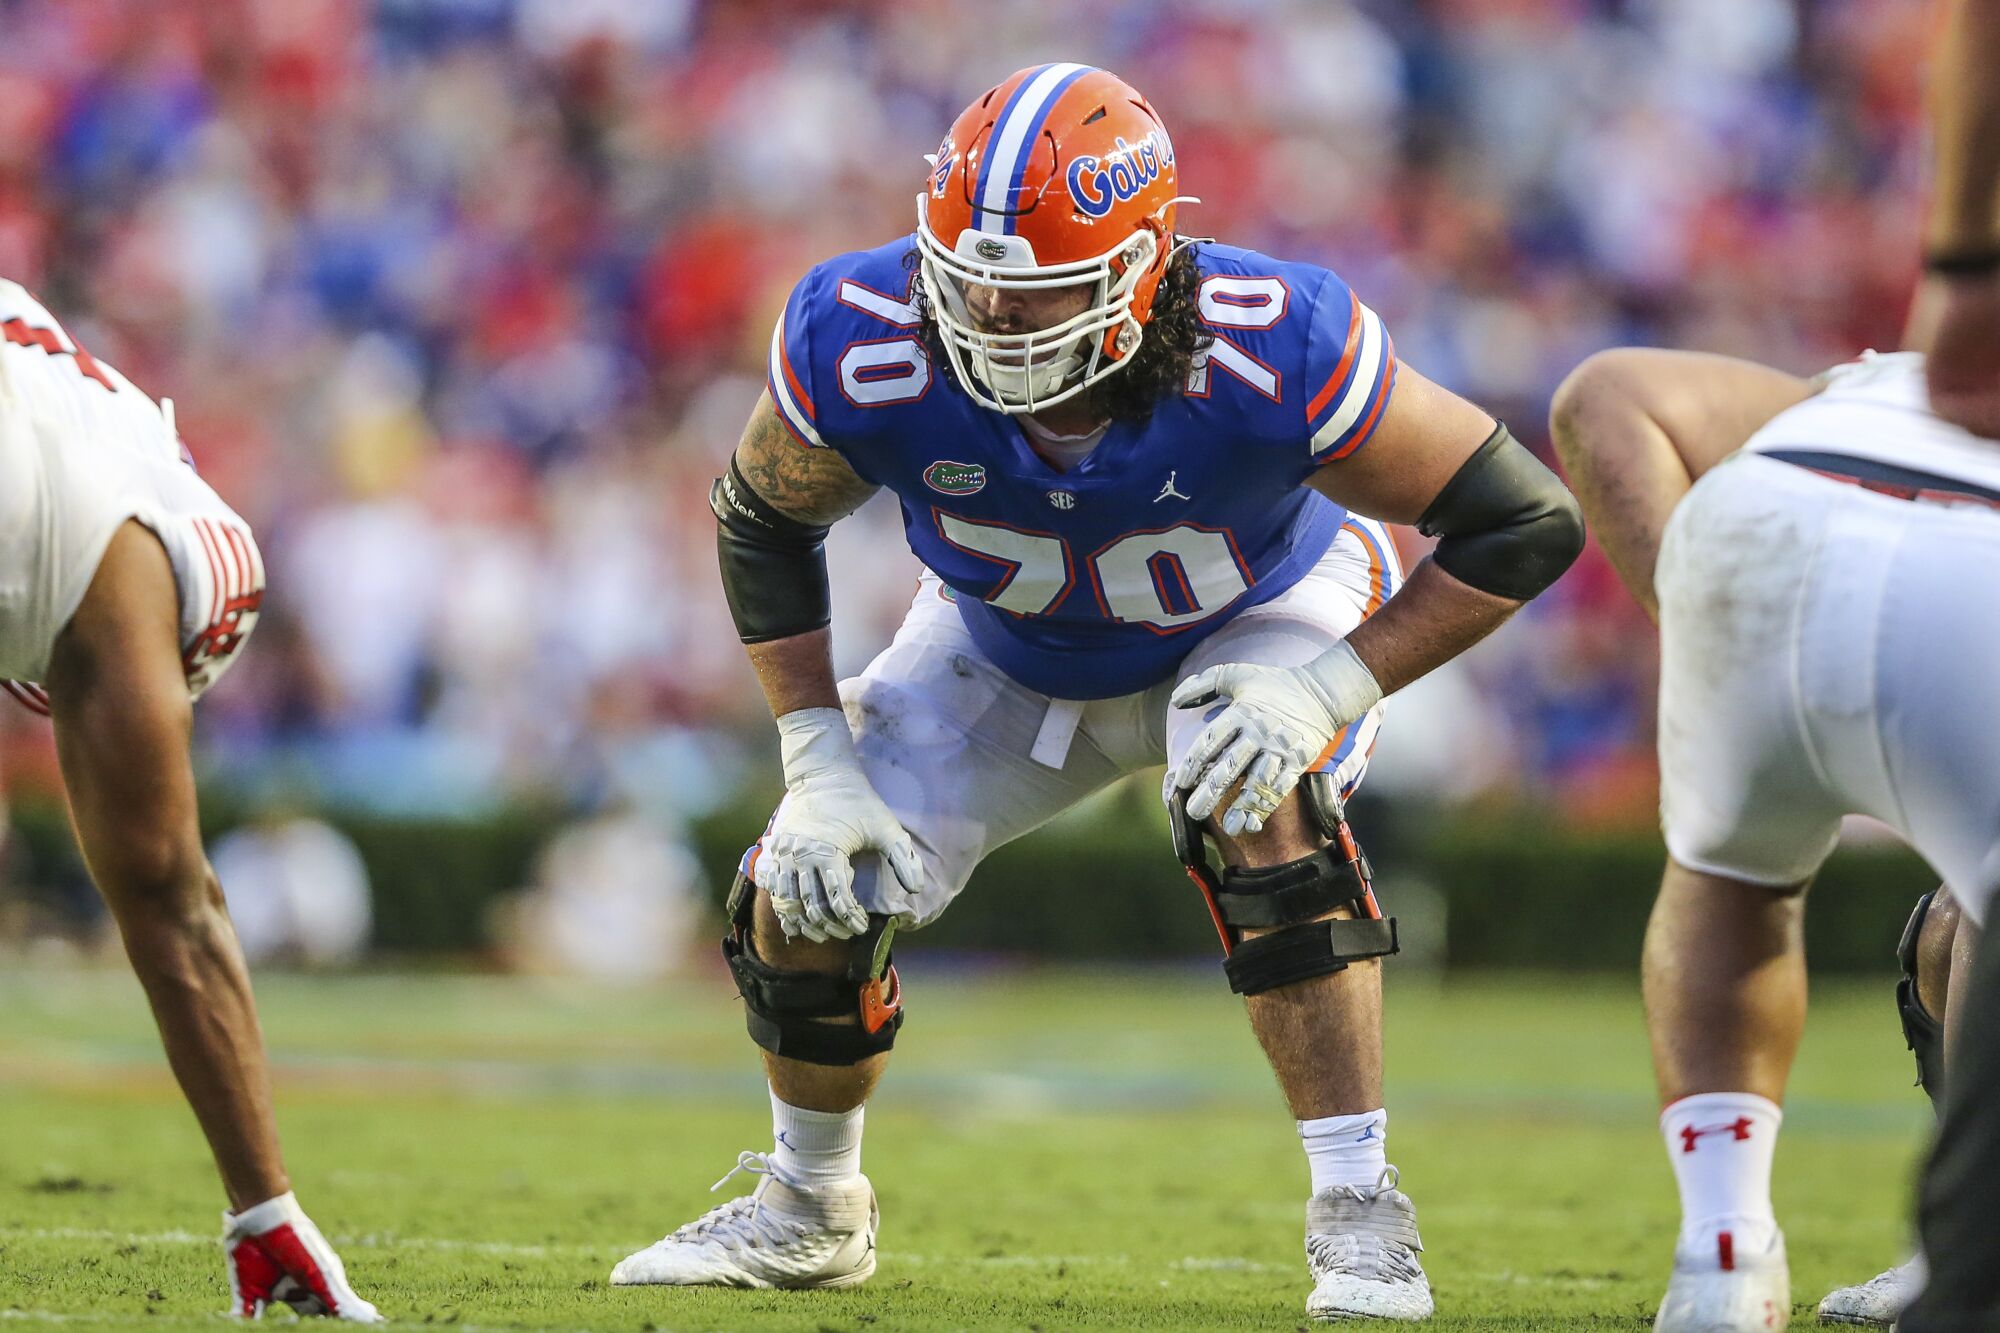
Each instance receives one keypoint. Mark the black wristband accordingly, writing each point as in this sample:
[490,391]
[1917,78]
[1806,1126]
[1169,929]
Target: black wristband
[1963,263]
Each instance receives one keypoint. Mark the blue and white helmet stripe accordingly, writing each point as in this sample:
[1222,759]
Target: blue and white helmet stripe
[1012,143]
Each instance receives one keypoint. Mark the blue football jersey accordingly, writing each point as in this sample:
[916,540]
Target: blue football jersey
[1097,581]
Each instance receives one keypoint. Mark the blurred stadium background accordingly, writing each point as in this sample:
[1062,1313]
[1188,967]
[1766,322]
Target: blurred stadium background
[462,302]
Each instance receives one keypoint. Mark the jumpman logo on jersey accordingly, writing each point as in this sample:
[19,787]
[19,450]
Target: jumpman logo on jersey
[1739,1129]
[1169,492]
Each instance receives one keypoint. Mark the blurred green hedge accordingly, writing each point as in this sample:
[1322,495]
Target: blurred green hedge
[1102,882]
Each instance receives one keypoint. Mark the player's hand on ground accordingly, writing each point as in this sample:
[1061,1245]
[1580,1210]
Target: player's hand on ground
[1278,721]
[1964,358]
[275,1254]
[830,815]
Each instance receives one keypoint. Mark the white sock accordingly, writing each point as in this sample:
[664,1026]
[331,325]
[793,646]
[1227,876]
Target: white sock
[1721,1145]
[816,1147]
[1345,1149]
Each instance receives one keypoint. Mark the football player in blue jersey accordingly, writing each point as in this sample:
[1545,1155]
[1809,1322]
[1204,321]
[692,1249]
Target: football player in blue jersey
[1147,477]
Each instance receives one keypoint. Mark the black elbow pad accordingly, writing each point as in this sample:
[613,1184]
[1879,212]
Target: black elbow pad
[1504,523]
[773,566]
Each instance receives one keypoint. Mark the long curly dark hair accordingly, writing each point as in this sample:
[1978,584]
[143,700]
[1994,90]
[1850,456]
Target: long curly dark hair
[1161,366]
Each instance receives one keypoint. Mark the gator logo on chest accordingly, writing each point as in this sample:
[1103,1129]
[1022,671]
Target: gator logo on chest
[949,478]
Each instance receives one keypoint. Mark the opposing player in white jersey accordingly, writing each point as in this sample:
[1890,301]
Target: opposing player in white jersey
[126,588]
[1820,555]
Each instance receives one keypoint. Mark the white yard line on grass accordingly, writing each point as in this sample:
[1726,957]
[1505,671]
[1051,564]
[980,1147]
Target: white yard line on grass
[118,1237]
[124,1317]
[48,1316]
[368,1242]
[379,1241]
[81,1061]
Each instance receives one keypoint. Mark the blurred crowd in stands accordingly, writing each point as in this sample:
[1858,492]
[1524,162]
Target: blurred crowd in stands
[462,303]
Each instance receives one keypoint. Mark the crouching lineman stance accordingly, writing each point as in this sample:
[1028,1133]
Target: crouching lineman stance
[126,588]
[1134,466]
[1823,652]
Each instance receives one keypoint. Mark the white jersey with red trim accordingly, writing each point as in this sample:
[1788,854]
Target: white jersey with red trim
[1879,408]
[82,451]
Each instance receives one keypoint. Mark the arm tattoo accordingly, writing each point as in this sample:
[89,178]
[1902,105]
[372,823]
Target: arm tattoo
[814,486]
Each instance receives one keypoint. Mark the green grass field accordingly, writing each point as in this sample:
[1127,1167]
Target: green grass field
[1052,1150]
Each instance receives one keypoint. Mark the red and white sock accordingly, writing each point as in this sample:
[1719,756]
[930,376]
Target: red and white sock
[1346,1149]
[816,1147]
[1721,1145]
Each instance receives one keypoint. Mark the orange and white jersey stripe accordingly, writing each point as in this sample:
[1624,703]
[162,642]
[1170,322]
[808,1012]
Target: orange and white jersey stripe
[1343,413]
[1346,756]
[795,407]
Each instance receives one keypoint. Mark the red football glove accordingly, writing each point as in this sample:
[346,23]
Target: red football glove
[275,1253]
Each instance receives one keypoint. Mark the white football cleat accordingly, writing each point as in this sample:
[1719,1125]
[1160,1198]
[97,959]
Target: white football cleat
[1732,1280]
[1361,1249]
[1877,1302]
[780,1235]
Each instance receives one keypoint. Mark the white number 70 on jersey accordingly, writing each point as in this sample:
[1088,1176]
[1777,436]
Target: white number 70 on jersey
[1167,579]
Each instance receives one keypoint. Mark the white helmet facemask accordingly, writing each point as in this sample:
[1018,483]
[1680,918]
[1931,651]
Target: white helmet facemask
[1019,373]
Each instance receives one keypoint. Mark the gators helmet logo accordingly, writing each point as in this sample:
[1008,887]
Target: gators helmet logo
[942,162]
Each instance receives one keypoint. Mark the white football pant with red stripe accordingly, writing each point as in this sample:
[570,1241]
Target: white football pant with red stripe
[275,1253]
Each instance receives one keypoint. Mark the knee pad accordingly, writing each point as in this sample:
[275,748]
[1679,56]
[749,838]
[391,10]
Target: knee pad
[1921,1028]
[1287,897]
[786,1011]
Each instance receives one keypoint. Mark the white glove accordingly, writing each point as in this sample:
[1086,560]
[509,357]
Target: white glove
[1278,721]
[276,1256]
[831,814]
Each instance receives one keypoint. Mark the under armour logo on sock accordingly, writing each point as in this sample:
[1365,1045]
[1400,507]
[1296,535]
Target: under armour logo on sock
[1738,1129]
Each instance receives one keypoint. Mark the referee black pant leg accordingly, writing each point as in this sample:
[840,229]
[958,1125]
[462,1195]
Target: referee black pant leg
[1958,1207]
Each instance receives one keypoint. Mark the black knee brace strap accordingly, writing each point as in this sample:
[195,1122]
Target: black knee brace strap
[1921,1028]
[1301,952]
[1295,891]
[785,1010]
[1285,899]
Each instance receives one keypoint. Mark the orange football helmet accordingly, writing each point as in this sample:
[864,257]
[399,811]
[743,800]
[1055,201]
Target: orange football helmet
[1061,176]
